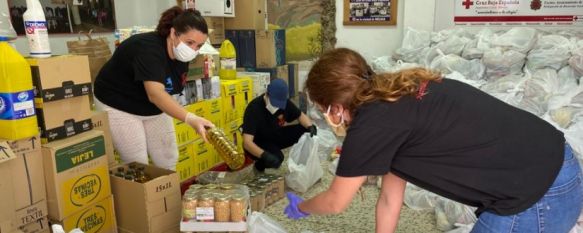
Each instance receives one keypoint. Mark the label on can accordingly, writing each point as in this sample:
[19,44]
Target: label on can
[205,213]
[14,106]
[38,37]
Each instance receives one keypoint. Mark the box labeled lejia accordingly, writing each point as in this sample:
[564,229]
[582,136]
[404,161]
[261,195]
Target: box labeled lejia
[95,218]
[153,206]
[76,173]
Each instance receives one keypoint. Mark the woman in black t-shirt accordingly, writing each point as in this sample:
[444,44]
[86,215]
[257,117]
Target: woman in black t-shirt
[135,86]
[444,136]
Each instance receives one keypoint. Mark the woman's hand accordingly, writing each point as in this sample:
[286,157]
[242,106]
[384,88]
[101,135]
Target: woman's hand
[199,124]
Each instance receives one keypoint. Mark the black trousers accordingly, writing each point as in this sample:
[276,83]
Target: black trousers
[285,137]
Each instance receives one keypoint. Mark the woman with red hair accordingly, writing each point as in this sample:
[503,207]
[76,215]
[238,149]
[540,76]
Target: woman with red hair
[446,137]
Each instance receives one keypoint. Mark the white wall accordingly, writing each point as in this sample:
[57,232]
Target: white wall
[128,13]
[376,41]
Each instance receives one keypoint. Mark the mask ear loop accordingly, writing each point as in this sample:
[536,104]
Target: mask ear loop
[332,123]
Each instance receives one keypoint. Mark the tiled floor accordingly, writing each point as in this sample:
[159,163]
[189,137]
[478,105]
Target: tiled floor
[359,217]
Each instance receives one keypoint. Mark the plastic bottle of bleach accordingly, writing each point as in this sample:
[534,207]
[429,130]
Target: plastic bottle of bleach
[35,25]
[17,115]
[228,57]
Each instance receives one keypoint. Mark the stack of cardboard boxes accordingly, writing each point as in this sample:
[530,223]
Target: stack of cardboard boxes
[74,157]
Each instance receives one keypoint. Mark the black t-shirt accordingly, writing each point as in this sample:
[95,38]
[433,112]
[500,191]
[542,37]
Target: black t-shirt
[458,142]
[142,57]
[263,125]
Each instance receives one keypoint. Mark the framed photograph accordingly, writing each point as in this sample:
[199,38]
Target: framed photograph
[68,16]
[370,12]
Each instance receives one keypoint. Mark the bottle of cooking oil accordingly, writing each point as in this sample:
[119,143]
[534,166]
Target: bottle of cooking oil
[228,60]
[17,115]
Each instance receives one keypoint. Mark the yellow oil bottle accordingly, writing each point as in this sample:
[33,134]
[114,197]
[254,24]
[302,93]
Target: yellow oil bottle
[17,114]
[228,61]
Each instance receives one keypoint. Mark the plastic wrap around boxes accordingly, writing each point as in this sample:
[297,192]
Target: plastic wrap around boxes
[537,71]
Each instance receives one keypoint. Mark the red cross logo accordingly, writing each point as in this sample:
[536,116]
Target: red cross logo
[467,3]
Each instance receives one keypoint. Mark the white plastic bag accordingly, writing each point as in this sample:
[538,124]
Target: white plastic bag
[501,63]
[448,213]
[518,39]
[447,64]
[414,42]
[419,199]
[303,164]
[459,77]
[382,64]
[261,223]
[453,45]
[550,51]
[574,136]
[576,61]
[326,143]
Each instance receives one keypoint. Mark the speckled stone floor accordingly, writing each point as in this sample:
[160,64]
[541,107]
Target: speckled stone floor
[359,217]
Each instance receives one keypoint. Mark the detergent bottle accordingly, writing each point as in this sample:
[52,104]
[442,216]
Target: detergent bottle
[228,61]
[35,27]
[17,114]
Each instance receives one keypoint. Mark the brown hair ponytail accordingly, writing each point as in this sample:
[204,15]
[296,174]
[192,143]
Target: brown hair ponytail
[181,20]
[342,76]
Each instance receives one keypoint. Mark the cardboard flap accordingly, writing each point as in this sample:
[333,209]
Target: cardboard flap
[6,153]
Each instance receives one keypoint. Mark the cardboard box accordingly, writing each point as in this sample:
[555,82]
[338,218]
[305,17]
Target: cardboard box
[38,226]
[7,193]
[229,94]
[216,27]
[270,47]
[260,81]
[60,77]
[196,68]
[203,159]
[76,173]
[184,133]
[293,75]
[280,72]
[100,122]
[245,46]
[154,206]
[185,165]
[233,132]
[64,118]
[29,182]
[244,94]
[251,15]
[96,218]
[220,8]
[213,111]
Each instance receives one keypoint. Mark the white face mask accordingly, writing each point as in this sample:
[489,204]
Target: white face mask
[272,109]
[338,129]
[184,53]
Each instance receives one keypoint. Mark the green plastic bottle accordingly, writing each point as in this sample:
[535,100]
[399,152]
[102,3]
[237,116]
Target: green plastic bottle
[17,115]
[228,57]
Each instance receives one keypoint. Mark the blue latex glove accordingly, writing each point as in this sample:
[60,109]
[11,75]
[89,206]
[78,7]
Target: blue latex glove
[292,210]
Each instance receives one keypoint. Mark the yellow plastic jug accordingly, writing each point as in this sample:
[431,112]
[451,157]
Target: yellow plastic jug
[17,114]
[228,58]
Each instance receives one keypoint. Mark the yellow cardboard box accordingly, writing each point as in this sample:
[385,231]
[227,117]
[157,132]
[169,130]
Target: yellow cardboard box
[214,111]
[96,218]
[76,173]
[185,165]
[233,132]
[202,159]
[228,95]
[244,94]
[184,133]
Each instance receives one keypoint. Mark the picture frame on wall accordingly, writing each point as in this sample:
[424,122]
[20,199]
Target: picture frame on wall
[68,16]
[370,12]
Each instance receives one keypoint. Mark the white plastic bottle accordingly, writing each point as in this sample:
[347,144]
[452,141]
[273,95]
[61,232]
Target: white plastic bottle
[35,26]
[57,228]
